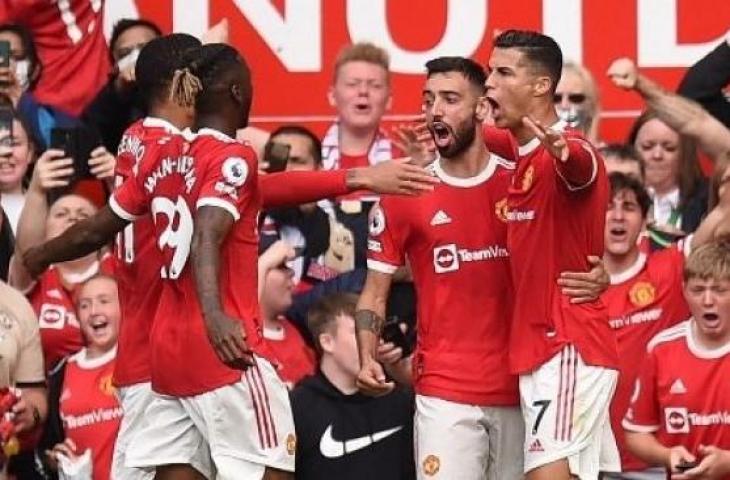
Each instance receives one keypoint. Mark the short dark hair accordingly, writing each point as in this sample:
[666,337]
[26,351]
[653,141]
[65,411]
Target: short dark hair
[125,24]
[470,69]
[538,49]
[315,143]
[26,39]
[620,181]
[623,151]
[321,316]
[159,60]
[212,65]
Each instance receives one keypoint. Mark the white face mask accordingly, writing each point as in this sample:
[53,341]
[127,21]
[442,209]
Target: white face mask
[128,61]
[22,70]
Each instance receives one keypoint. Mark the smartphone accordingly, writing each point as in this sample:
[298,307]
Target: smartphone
[4,53]
[276,155]
[684,466]
[77,143]
[393,333]
[6,126]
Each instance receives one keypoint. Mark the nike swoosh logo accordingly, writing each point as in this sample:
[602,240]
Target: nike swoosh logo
[332,448]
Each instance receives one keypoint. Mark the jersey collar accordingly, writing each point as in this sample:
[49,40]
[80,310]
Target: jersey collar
[630,272]
[152,122]
[217,134]
[90,363]
[530,146]
[700,351]
[478,179]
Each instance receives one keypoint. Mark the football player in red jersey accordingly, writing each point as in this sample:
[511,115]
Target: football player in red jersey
[467,422]
[678,417]
[565,353]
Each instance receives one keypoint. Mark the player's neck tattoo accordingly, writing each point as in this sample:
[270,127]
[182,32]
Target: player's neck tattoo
[369,320]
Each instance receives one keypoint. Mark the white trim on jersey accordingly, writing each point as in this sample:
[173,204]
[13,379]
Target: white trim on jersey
[82,358]
[217,134]
[632,427]
[121,212]
[478,179]
[698,350]
[630,272]
[381,267]
[156,122]
[218,202]
[685,244]
[594,169]
[669,334]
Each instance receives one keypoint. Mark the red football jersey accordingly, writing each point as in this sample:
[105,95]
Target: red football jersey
[642,301]
[56,309]
[216,171]
[295,358]
[681,395]
[138,260]
[455,239]
[69,36]
[90,411]
[556,220]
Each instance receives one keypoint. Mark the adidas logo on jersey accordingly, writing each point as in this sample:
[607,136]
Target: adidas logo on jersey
[535,447]
[678,387]
[440,218]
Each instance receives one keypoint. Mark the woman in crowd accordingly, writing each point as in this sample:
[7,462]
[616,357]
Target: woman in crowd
[52,293]
[80,388]
[17,152]
[673,177]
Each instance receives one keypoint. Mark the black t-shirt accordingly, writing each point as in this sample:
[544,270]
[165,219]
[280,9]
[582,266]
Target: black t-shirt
[352,437]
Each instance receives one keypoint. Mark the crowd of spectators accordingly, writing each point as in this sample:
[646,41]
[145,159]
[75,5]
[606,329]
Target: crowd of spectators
[60,328]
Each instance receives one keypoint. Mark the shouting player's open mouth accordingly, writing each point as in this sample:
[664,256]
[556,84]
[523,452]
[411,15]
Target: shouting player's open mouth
[442,134]
[494,106]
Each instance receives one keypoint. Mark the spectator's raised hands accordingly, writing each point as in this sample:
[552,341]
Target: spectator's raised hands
[52,170]
[623,73]
[102,163]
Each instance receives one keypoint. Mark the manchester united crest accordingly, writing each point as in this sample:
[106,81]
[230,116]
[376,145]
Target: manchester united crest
[431,465]
[501,209]
[106,385]
[642,294]
[527,178]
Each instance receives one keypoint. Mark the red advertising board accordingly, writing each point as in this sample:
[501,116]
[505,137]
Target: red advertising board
[291,44]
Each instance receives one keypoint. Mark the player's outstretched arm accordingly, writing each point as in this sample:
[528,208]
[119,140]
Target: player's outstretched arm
[79,240]
[576,160]
[225,334]
[369,321]
[716,225]
[682,114]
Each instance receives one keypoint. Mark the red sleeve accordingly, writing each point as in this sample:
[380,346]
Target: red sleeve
[500,141]
[129,201]
[229,180]
[643,413]
[581,168]
[294,188]
[385,245]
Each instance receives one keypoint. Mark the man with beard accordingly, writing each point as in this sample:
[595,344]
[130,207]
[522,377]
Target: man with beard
[467,422]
